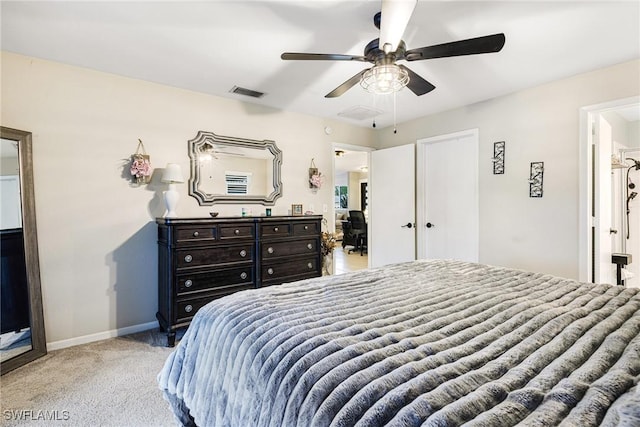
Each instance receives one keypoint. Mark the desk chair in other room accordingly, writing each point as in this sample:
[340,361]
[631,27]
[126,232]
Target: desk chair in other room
[358,230]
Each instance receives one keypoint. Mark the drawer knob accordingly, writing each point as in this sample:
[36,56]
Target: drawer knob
[275,229]
[188,258]
[310,265]
[270,249]
[309,245]
[243,253]
[306,227]
[188,308]
[188,283]
[196,234]
[236,232]
[270,271]
[243,275]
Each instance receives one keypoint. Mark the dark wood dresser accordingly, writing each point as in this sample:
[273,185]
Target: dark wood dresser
[201,259]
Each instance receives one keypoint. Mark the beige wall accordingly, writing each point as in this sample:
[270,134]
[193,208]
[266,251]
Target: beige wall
[539,124]
[96,232]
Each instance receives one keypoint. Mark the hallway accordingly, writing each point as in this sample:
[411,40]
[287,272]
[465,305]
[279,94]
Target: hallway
[346,262]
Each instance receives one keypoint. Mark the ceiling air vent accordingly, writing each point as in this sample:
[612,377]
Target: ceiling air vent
[246,92]
[360,112]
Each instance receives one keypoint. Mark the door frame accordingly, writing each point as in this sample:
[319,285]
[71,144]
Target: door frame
[421,198]
[587,223]
[350,147]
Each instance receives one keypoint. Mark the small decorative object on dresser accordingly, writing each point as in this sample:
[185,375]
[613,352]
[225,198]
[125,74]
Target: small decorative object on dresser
[201,259]
[296,210]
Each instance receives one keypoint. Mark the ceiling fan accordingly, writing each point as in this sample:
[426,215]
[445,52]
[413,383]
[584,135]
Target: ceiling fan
[211,151]
[386,76]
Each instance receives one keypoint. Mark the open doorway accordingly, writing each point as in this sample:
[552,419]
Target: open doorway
[610,181]
[351,189]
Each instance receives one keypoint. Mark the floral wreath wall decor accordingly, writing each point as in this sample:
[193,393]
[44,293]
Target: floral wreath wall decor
[315,177]
[140,167]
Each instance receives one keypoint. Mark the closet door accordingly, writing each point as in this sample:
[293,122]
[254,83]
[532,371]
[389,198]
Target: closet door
[392,207]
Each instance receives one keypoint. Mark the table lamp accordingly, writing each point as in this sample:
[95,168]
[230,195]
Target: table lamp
[172,174]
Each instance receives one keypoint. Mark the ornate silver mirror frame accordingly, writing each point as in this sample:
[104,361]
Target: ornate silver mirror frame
[27,200]
[209,143]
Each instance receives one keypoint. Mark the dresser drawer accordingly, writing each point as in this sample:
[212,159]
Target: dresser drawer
[220,278]
[219,255]
[288,270]
[305,228]
[276,229]
[194,235]
[240,231]
[270,250]
[186,308]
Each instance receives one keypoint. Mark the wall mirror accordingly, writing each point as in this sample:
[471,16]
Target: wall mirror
[234,170]
[22,337]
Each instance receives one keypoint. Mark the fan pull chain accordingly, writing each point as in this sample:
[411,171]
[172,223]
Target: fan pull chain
[395,130]
[373,97]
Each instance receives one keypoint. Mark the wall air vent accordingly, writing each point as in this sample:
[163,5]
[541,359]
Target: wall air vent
[246,92]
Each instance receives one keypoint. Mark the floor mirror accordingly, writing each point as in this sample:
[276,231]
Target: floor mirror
[22,338]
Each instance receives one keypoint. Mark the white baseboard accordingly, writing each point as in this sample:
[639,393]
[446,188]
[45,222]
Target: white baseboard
[57,345]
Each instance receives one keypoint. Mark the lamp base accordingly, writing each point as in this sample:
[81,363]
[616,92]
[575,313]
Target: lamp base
[171,197]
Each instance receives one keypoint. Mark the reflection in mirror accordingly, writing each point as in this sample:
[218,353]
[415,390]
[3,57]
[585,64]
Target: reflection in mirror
[22,327]
[15,336]
[234,170]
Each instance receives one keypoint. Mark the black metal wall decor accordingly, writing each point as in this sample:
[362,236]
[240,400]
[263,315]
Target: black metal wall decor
[536,172]
[498,158]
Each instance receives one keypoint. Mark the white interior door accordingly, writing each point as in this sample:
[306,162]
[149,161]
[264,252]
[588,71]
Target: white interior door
[448,219]
[605,271]
[391,234]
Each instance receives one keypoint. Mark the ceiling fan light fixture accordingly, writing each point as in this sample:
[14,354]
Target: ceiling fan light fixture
[384,79]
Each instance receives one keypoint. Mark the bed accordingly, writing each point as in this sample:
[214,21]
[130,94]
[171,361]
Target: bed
[425,343]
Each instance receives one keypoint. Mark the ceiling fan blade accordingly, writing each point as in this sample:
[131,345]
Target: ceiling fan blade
[394,18]
[346,85]
[485,44]
[321,57]
[417,84]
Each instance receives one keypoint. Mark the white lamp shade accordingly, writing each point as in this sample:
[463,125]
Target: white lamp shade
[172,173]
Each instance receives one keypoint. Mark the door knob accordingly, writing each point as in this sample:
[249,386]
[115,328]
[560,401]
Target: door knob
[408,225]
[429,225]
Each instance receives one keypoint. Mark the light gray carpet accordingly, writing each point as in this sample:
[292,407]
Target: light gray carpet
[105,383]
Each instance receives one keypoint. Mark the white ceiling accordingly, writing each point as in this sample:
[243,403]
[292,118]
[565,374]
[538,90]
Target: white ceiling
[210,46]
[351,161]
[630,114]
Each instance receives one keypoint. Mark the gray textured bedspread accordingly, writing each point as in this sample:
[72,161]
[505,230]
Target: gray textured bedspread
[431,343]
